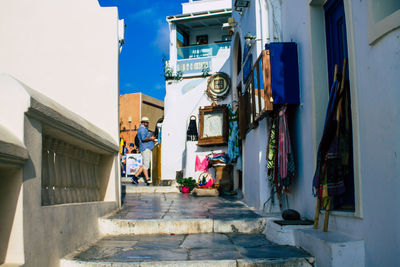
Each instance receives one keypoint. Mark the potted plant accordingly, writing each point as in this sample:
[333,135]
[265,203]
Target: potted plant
[187,184]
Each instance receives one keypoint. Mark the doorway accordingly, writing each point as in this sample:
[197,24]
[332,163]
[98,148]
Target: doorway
[337,51]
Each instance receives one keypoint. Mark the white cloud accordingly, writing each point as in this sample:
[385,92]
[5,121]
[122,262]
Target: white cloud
[161,41]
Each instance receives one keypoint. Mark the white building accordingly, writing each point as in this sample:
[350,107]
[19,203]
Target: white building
[367,228]
[59,171]
[199,47]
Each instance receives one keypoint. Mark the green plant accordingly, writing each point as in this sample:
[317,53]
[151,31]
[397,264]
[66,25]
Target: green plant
[187,182]
[205,71]
[169,71]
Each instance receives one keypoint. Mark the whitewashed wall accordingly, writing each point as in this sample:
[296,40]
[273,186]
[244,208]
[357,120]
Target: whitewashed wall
[205,5]
[374,71]
[178,107]
[54,48]
[68,51]
[256,189]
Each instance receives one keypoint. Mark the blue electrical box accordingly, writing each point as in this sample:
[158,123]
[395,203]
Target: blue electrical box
[284,72]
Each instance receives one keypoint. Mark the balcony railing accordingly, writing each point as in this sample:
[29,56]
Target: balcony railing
[199,51]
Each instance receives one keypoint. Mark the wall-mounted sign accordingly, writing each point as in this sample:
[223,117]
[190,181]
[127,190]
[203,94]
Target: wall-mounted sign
[218,86]
[187,66]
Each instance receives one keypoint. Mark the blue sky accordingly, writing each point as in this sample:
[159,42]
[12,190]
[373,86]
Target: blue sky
[146,41]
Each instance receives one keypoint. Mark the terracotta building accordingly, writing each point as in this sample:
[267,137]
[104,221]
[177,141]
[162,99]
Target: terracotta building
[132,107]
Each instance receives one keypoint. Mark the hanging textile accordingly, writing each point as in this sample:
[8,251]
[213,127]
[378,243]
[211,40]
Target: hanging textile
[233,137]
[286,169]
[201,165]
[221,158]
[191,133]
[334,158]
[280,160]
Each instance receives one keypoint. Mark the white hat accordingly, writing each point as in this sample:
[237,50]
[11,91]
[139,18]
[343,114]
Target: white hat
[145,119]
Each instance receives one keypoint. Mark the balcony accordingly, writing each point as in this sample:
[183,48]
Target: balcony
[200,51]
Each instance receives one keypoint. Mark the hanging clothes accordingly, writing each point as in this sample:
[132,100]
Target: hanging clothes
[201,165]
[285,159]
[233,137]
[333,157]
[280,160]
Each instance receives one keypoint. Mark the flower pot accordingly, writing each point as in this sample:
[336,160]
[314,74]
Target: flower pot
[185,190]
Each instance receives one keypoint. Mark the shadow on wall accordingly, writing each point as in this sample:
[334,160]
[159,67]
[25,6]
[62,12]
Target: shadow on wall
[105,167]
[10,189]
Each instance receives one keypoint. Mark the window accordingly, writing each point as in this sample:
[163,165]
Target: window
[226,38]
[383,17]
[256,100]
[182,38]
[201,39]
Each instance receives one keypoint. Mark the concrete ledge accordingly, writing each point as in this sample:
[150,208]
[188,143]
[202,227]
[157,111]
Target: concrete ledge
[18,99]
[12,151]
[331,249]
[137,189]
[179,226]
[220,263]
[282,235]
[256,225]
[305,262]
[124,227]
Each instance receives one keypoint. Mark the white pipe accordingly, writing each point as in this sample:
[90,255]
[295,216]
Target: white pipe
[270,21]
[265,31]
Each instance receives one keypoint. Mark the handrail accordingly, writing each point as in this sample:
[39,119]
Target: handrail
[199,51]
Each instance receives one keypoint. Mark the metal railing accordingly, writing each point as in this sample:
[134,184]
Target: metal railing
[199,51]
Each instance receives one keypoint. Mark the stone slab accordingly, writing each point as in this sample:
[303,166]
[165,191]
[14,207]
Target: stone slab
[181,214]
[143,189]
[256,225]
[208,241]
[275,263]
[187,250]
[155,226]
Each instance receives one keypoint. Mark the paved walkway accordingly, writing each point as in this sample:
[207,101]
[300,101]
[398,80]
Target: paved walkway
[180,206]
[182,230]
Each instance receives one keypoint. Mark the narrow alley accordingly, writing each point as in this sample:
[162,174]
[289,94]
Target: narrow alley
[199,133]
[173,229]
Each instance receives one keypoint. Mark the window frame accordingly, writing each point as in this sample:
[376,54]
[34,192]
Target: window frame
[215,140]
[377,30]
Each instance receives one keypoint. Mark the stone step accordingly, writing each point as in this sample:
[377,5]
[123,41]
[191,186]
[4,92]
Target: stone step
[141,188]
[187,250]
[332,249]
[181,214]
[109,226]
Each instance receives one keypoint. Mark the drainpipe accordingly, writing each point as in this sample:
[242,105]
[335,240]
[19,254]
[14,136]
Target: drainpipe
[270,20]
[274,16]
[265,31]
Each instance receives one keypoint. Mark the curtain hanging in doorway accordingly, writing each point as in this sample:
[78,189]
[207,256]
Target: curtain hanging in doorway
[333,157]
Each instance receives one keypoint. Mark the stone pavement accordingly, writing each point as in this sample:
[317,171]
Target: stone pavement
[181,230]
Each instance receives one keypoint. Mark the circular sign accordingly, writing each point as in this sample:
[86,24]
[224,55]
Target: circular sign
[218,86]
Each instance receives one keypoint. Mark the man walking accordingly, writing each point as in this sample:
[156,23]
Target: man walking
[145,148]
